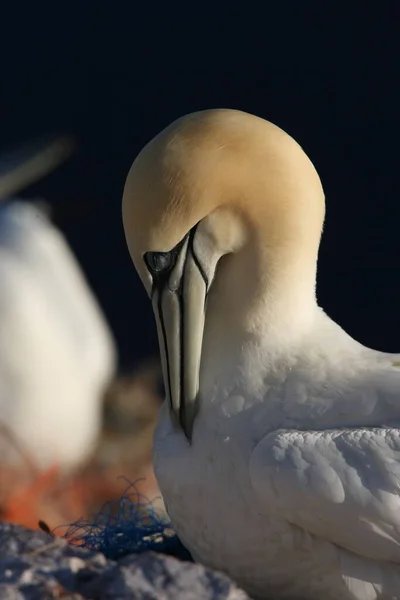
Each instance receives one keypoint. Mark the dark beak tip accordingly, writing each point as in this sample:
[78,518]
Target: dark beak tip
[188,436]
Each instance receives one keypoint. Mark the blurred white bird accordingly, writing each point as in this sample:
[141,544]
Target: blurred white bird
[57,354]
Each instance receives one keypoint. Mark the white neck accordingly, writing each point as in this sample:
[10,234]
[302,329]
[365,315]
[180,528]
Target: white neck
[257,316]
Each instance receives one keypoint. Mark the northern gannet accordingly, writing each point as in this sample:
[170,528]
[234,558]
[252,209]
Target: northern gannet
[278,449]
[57,353]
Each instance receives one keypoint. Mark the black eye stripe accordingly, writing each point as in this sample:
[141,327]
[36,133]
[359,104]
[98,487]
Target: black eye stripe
[158,262]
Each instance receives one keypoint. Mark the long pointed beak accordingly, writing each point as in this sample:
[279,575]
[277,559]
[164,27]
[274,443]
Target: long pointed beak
[179,307]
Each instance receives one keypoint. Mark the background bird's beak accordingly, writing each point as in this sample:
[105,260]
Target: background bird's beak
[179,307]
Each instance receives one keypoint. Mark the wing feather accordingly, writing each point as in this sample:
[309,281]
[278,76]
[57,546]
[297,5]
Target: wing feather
[343,485]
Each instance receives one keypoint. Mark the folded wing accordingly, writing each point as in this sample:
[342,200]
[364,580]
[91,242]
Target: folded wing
[342,485]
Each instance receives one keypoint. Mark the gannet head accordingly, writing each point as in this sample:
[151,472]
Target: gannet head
[220,209]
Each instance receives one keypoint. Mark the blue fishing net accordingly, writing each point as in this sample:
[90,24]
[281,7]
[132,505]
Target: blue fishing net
[130,525]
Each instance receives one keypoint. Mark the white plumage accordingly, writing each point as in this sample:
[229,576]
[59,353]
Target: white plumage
[57,353]
[287,477]
[293,488]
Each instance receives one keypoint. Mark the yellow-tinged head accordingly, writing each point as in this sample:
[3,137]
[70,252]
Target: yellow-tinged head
[213,184]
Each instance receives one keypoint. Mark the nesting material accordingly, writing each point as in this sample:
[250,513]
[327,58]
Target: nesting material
[131,525]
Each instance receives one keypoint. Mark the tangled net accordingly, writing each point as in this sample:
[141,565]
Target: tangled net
[130,525]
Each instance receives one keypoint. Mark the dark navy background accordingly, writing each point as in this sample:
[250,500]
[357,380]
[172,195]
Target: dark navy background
[115,74]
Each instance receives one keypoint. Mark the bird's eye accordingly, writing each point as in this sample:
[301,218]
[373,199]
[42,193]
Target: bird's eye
[157,262]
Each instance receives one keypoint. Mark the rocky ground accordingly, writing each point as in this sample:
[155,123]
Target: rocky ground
[37,566]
